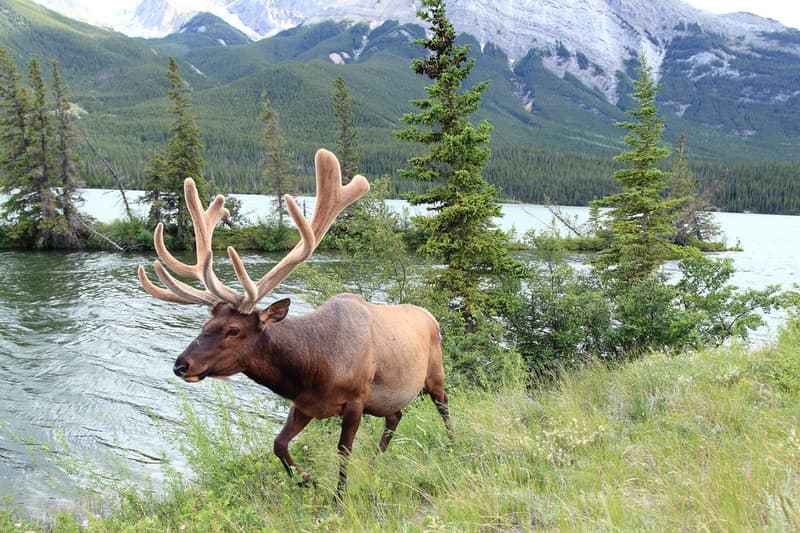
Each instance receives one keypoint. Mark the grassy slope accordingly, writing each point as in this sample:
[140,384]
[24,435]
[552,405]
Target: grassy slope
[701,441]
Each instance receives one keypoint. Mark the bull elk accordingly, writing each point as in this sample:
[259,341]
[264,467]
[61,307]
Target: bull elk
[347,358]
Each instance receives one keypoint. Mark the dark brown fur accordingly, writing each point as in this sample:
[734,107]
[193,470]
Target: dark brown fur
[347,358]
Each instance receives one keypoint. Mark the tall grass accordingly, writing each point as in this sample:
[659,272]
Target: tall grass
[700,441]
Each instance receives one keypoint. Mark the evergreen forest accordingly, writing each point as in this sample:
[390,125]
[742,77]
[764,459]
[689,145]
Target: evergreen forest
[560,150]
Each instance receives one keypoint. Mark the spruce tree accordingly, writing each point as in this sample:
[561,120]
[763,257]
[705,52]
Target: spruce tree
[181,159]
[39,222]
[695,221]
[279,173]
[30,162]
[347,141]
[640,218]
[163,204]
[461,233]
[15,110]
[66,156]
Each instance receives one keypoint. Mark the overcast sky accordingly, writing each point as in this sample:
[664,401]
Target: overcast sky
[787,12]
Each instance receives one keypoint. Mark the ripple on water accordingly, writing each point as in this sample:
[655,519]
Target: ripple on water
[86,369]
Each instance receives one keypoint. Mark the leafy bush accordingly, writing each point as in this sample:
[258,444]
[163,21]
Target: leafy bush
[271,237]
[567,316]
[475,347]
[129,234]
[5,237]
[563,317]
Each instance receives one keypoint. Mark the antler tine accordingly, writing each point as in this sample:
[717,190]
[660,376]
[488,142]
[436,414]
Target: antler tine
[163,294]
[301,251]
[204,222]
[332,199]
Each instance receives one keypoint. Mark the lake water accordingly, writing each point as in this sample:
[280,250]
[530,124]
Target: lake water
[86,356]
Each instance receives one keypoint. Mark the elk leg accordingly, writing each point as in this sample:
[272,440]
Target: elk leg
[388,430]
[295,422]
[439,397]
[351,419]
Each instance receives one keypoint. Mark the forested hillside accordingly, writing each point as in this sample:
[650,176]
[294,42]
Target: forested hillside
[552,137]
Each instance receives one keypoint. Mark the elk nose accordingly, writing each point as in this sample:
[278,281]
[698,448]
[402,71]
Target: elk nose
[180,368]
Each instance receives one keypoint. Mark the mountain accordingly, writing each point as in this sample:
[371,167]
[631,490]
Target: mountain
[600,36]
[201,31]
[560,77]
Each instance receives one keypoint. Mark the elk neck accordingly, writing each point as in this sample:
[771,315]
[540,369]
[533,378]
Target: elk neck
[286,358]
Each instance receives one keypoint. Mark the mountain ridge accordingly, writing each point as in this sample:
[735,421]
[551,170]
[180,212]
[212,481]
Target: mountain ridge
[606,32]
[554,135]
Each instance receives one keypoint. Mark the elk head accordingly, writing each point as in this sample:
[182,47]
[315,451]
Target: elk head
[235,320]
[224,346]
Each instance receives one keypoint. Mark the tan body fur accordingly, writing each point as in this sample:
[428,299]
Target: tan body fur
[380,355]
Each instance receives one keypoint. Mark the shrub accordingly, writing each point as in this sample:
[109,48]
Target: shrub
[129,234]
[563,316]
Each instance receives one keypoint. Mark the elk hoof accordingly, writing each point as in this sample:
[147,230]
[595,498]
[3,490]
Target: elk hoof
[307,480]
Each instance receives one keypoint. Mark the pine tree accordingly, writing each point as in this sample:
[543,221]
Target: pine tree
[695,220]
[279,173]
[347,141]
[15,106]
[461,232]
[163,204]
[31,152]
[40,222]
[181,159]
[66,155]
[639,222]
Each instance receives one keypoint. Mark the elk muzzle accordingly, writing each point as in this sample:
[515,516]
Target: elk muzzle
[181,368]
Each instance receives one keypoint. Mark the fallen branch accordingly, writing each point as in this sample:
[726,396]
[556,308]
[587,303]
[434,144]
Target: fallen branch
[97,233]
[556,212]
[118,179]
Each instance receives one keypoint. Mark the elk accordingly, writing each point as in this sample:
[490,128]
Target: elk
[346,358]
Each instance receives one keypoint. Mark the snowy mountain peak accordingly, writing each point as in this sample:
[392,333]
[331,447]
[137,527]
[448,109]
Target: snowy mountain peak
[590,39]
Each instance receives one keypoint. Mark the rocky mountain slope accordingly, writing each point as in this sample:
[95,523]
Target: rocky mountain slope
[591,40]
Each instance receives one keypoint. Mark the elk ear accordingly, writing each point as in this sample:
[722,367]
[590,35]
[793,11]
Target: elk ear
[274,313]
[216,308]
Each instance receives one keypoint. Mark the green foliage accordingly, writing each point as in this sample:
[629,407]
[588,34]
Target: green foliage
[647,318]
[694,223]
[181,159]
[369,240]
[279,174]
[461,231]
[564,318]
[36,158]
[716,310]
[347,140]
[567,316]
[204,30]
[66,158]
[267,236]
[475,353]
[130,234]
[640,217]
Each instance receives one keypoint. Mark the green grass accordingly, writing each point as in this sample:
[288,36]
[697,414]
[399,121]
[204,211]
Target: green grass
[700,441]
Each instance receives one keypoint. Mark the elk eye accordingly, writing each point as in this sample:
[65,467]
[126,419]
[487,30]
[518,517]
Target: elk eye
[232,332]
